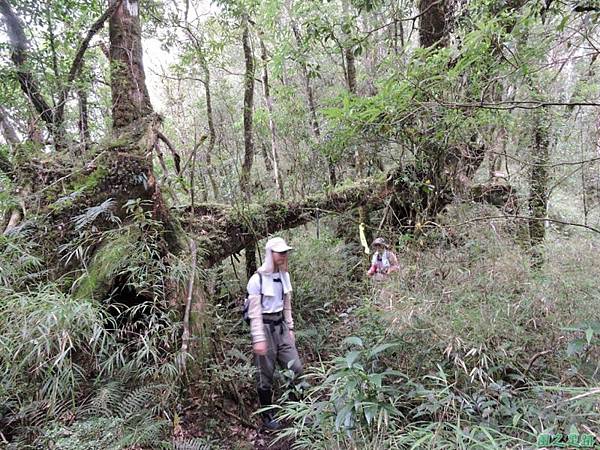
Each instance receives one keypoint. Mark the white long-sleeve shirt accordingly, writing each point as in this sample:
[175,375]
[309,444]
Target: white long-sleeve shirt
[277,302]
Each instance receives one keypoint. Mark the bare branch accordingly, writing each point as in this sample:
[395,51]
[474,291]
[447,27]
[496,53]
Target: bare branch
[176,156]
[545,219]
[185,338]
[514,104]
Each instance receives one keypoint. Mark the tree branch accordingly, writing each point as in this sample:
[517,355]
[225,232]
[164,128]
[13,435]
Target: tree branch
[11,138]
[509,105]
[78,60]
[176,157]
[18,44]
[228,230]
[224,230]
[544,219]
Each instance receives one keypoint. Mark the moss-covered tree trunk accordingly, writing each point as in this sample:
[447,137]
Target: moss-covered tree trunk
[248,138]
[538,183]
[130,99]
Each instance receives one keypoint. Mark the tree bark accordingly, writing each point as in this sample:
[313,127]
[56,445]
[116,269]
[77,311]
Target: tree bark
[6,166]
[211,130]
[248,139]
[269,101]
[233,229]
[266,157]
[228,230]
[130,99]
[538,181]
[8,131]
[19,44]
[248,110]
[433,29]
[83,125]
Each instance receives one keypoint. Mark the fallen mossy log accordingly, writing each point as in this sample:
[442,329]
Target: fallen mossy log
[224,230]
[98,194]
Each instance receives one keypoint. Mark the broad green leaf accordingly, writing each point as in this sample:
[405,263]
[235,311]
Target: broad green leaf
[575,346]
[351,358]
[589,334]
[380,348]
[354,340]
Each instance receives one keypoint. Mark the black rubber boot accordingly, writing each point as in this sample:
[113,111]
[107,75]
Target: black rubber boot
[265,396]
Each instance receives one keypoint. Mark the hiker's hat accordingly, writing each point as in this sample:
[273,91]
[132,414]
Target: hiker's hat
[380,241]
[278,245]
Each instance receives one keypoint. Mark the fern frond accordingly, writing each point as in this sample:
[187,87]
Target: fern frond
[94,212]
[106,399]
[191,444]
[144,398]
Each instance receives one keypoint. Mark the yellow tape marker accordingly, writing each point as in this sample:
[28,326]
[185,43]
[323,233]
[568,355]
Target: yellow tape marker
[363,238]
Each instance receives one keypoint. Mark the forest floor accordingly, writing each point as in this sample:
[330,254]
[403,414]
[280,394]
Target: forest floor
[513,348]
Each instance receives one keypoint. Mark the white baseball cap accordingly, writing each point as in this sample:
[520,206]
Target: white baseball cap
[278,245]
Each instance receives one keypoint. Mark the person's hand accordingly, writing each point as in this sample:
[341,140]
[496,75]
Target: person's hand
[292,336]
[260,348]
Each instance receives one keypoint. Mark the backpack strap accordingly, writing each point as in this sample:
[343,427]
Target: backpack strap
[261,291]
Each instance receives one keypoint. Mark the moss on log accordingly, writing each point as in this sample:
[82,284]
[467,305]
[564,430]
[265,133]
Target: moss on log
[110,259]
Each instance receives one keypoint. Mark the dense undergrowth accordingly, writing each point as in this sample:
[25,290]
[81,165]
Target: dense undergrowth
[467,347]
[79,371]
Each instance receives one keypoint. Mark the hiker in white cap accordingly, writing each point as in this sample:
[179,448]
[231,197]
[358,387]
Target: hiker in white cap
[271,323]
[384,260]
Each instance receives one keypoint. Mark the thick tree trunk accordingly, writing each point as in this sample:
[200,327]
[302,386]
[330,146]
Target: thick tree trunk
[538,181]
[130,99]
[248,138]
[228,230]
[433,29]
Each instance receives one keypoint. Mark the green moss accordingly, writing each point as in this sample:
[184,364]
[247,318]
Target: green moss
[58,202]
[117,143]
[90,181]
[109,260]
